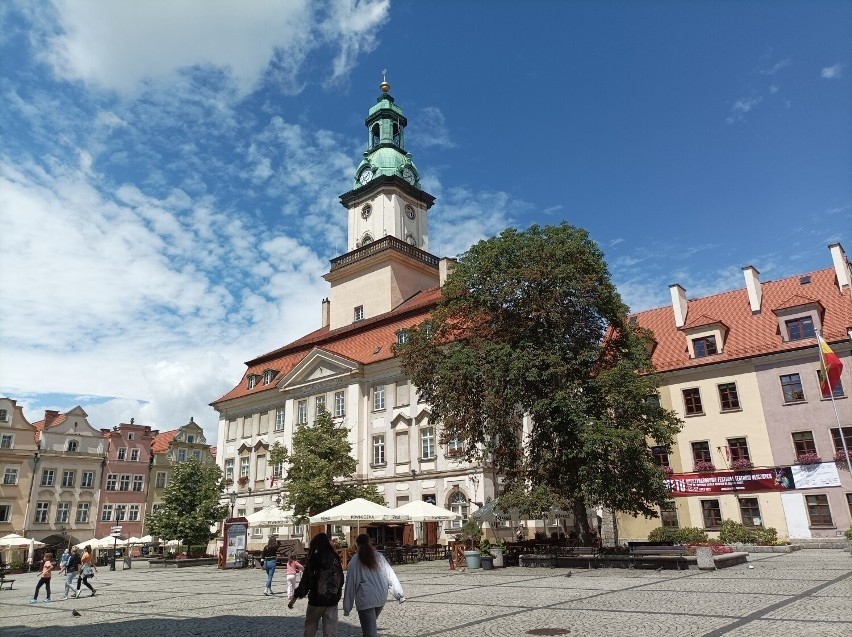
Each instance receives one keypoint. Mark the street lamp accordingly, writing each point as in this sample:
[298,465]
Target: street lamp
[232,496]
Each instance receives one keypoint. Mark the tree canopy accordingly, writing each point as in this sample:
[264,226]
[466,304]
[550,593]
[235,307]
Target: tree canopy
[530,361]
[191,504]
[322,469]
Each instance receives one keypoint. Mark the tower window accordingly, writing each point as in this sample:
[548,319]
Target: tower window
[374,136]
[396,134]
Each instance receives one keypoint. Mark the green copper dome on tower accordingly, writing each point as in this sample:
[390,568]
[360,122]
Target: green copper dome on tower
[385,154]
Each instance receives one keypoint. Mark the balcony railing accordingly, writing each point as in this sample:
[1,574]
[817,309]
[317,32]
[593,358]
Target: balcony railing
[385,243]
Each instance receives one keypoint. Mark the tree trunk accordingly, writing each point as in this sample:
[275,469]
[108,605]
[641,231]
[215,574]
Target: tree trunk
[581,521]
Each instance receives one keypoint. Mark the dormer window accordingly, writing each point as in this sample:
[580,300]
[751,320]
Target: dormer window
[122,453]
[799,318]
[704,346]
[800,328]
[268,375]
[402,337]
[190,439]
[4,415]
[252,381]
[72,445]
[359,313]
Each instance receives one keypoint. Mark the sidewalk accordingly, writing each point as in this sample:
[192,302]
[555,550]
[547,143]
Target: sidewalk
[803,593]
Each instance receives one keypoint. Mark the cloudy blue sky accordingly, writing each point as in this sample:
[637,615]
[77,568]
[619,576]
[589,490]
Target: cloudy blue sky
[169,169]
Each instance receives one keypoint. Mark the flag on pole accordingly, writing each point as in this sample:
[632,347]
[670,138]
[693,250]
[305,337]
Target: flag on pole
[831,368]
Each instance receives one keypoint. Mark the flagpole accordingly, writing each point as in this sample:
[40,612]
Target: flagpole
[834,404]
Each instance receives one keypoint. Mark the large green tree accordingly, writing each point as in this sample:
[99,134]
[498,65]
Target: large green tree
[322,468]
[191,504]
[530,326]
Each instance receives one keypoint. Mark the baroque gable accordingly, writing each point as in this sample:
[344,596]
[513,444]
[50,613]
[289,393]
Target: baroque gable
[318,369]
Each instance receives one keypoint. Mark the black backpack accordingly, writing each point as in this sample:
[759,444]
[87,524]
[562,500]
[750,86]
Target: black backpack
[326,582]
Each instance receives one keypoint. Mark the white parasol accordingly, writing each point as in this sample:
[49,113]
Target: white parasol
[13,540]
[357,512]
[421,511]
[270,516]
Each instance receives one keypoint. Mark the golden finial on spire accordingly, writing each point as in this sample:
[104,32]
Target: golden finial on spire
[384,86]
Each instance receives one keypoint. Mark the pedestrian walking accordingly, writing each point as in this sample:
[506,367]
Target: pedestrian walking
[72,567]
[87,570]
[267,557]
[44,579]
[322,582]
[293,568]
[368,579]
[63,560]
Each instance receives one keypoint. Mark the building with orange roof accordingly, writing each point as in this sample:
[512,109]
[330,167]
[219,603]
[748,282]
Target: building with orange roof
[761,443]
[168,449]
[63,503]
[386,283]
[18,453]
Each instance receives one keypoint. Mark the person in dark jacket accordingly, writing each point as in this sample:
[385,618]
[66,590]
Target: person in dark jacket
[322,582]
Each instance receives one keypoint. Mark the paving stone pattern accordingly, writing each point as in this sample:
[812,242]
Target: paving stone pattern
[808,592]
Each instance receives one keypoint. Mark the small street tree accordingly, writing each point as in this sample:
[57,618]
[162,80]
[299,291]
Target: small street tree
[530,324]
[191,505]
[321,469]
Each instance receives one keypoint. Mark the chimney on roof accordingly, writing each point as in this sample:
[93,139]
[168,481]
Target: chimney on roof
[755,292]
[678,303]
[49,416]
[842,270]
[326,312]
[445,269]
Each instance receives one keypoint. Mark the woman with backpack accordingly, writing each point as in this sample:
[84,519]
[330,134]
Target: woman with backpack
[368,579]
[322,582]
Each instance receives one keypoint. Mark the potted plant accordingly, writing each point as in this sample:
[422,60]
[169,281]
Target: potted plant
[742,465]
[704,466]
[811,457]
[497,550]
[485,556]
[470,532]
[242,481]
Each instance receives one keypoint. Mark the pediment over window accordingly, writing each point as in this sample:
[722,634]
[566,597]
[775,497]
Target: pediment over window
[318,367]
[703,320]
[261,444]
[422,416]
[245,447]
[797,302]
[400,421]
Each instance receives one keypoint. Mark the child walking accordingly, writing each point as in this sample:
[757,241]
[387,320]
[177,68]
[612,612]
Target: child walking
[293,568]
[44,580]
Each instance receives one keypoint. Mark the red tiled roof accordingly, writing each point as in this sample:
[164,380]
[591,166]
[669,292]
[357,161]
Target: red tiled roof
[55,421]
[364,342]
[750,335]
[163,440]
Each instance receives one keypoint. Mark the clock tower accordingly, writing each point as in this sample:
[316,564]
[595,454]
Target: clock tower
[388,240]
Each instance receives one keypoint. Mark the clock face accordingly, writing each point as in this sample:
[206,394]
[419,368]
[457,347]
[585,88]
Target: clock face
[408,175]
[366,210]
[409,211]
[366,176]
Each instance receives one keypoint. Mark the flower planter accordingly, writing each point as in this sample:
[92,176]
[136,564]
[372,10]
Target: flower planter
[498,557]
[473,559]
[487,562]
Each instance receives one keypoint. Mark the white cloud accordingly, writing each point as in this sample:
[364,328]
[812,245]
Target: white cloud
[832,72]
[126,46]
[740,107]
[778,66]
[429,129]
[119,294]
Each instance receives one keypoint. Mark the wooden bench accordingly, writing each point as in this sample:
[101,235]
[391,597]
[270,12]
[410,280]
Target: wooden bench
[6,582]
[657,555]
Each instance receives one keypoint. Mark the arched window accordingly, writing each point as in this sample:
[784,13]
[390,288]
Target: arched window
[374,136]
[396,134]
[73,445]
[367,239]
[458,504]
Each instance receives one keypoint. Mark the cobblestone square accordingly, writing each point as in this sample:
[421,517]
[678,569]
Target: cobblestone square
[803,593]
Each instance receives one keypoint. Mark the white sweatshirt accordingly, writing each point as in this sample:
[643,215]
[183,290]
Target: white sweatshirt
[366,588]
